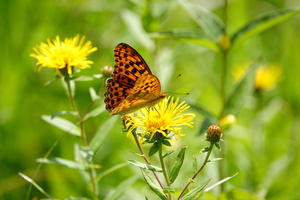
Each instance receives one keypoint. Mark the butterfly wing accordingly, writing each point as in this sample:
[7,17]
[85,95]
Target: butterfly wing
[145,93]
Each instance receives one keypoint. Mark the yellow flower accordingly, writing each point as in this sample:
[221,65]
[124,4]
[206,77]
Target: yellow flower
[267,77]
[63,56]
[166,116]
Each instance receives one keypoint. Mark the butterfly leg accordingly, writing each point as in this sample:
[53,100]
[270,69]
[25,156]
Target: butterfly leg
[157,111]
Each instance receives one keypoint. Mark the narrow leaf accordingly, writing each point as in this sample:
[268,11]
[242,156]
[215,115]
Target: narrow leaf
[193,36]
[214,159]
[239,93]
[77,198]
[94,113]
[63,162]
[63,124]
[35,185]
[195,164]
[110,170]
[83,154]
[193,193]
[98,76]
[102,133]
[93,94]
[177,165]
[153,149]
[52,81]
[262,23]
[63,113]
[122,187]
[205,149]
[83,78]
[168,153]
[219,182]
[144,166]
[208,21]
[166,142]
[155,187]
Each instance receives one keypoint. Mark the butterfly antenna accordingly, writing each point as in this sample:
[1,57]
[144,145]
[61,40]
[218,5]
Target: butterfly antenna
[173,81]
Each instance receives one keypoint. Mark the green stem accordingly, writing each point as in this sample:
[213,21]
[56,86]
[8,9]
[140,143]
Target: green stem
[145,157]
[163,166]
[223,82]
[83,137]
[199,170]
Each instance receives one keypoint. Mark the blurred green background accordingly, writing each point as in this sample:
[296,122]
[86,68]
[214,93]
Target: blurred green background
[262,147]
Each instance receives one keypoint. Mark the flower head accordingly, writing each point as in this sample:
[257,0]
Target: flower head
[214,133]
[63,56]
[267,77]
[167,116]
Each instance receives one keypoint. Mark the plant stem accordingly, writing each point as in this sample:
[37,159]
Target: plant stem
[164,169]
[199,170]
[83,137]
[145,157]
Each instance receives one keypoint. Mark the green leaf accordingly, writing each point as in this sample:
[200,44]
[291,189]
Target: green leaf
[193,36]
[144,166]
[210,23]
[201,109]
[77,198]
[63,162]
[169,190]
[193,193]
[98,76]
[93,94]
[83,78]
[195,164]
[177,165]
[166,143]
[239,93]
[83,154]
[121,188]
[35,185]
[52,81]
[63,124]
[155,187]
[205,149]
[110,170]
[219,182]
[214,159]
[168,153]
[102,133]
[94,113]
[218,146]
[65,86]
[262,23]
[154,148]
[63,113]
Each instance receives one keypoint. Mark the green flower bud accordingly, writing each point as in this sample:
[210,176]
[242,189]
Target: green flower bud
[214,133]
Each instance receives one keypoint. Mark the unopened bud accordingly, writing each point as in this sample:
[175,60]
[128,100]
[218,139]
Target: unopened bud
[225,42]
[214,133]
[107,71]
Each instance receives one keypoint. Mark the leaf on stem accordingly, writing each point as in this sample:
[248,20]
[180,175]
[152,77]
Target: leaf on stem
[239,93]
[51,81]
[194,36]
[208,21]
[94,113]
[110,170]
[177,165]
[63,124]
[166,143]
[194,192]
[63,113]
[262,23]
[121,188]
[195,164]
[35,185]
[219,183]
[153,185]
[102,133]
[83,154]
[214,159]
[144,166]
[205,149]
[93,94]
[154,148]
[63,162]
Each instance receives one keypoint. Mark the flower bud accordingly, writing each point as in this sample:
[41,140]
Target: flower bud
[107,71]
[214,133]
[225,42]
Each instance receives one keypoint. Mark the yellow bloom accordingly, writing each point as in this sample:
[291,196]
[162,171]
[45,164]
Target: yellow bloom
[63,55]
[267,77]
[166,117]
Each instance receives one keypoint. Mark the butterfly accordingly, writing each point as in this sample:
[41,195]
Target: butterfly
[132,85]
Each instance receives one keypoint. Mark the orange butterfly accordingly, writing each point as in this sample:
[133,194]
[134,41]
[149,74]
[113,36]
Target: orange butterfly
[132,85]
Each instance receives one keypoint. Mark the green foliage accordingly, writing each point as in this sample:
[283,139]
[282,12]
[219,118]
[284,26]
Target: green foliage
[194,192]
[177,165]
[144,166]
